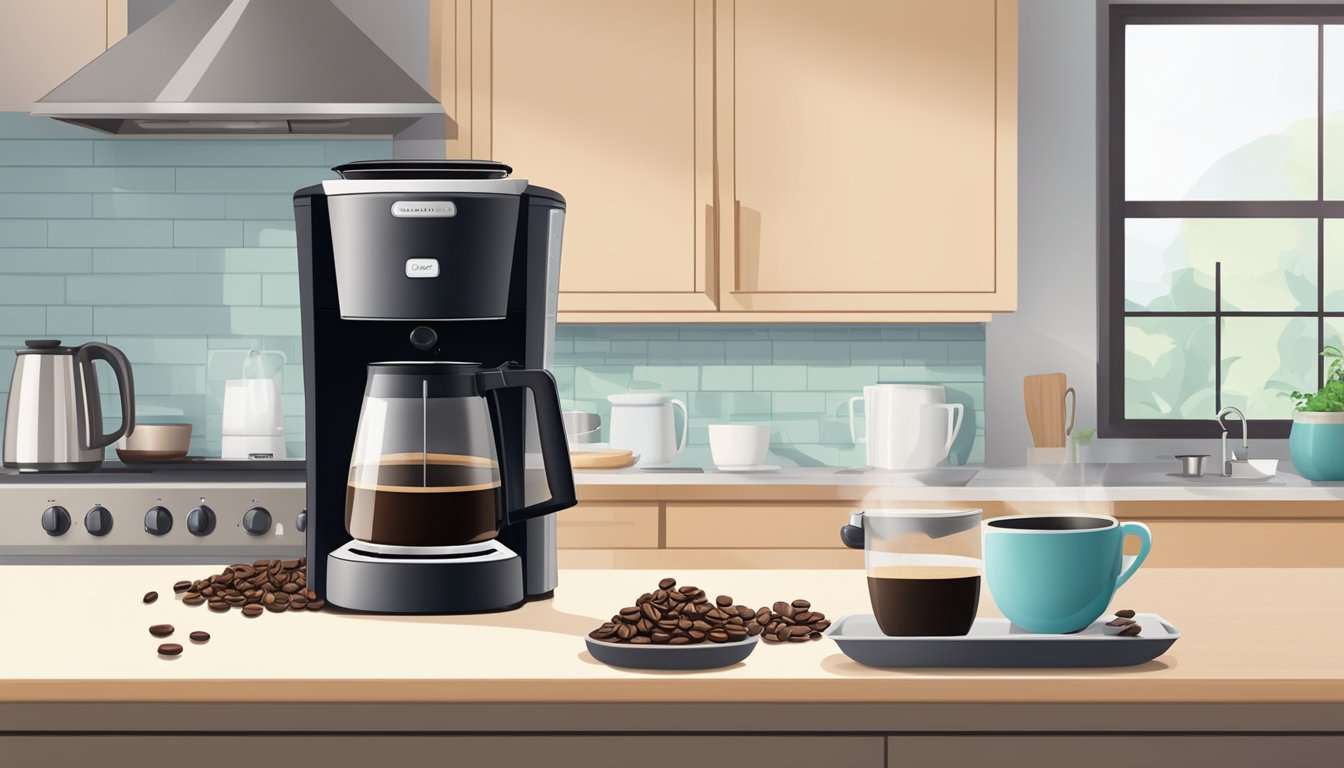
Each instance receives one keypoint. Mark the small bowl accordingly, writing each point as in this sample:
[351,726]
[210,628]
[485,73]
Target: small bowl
[672,657]
[155,442]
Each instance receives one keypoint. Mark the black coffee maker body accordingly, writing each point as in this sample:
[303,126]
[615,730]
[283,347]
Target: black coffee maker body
[409,262]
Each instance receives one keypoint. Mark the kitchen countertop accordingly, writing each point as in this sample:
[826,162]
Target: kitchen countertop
[1089,482]
[79,634]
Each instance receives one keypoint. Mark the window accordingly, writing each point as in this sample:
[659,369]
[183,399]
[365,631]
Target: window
[1222,214]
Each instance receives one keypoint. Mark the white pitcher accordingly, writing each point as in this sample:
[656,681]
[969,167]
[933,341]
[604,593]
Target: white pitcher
[909,426]
[643,423]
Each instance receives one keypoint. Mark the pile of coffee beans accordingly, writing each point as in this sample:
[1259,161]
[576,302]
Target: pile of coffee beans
[672,615]
[1123,624]
[265,585]
[791,622]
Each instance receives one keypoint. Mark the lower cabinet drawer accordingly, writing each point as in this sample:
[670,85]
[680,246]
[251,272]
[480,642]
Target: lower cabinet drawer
[1150,751]
[756,526]
[598,525]
[1244,544]
[434,751]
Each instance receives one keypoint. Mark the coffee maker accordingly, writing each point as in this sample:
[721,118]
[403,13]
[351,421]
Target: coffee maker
[436,453]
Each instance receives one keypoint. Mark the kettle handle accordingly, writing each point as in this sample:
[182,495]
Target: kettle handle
[550,431]
[852,534]
[94,438]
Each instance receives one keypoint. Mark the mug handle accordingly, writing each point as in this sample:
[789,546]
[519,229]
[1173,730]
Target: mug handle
[685,424]
[1131,563]
[853,432]
[956,414]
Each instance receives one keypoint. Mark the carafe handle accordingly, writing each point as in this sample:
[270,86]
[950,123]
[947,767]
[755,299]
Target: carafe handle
[851,535]
[550,432]
[93,437]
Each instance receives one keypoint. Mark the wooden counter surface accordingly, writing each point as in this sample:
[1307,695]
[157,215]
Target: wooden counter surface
[79,634]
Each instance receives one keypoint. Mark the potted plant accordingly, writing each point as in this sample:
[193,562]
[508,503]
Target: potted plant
[1316,442]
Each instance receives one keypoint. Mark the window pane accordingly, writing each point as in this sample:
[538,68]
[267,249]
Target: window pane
[1333,67]
[1269,265]
[1169,368]
[1263,359]
[1220,112]
[1334,265]
[1334,333]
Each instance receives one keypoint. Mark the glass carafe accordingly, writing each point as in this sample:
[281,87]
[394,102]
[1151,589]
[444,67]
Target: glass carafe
[923,566]
[436,461]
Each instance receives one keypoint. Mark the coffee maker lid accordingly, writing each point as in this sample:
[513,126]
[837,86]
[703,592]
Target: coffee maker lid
[423,169]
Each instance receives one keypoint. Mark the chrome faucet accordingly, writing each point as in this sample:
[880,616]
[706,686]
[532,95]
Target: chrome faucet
[1245,439]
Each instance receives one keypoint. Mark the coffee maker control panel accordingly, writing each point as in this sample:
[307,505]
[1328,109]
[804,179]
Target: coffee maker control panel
[50,519]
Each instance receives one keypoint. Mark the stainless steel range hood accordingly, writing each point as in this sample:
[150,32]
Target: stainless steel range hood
[272,67]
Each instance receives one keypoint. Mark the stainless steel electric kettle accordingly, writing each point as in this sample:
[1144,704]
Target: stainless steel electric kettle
[54,422]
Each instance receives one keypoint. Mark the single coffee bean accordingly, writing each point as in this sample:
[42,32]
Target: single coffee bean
[199,636]
[679,640]
[820,626]
[660,637]
[181,586]
[754,629]
[626,631]
[268,598]
[644,626]
[1121,622]
[150,597]
[782,607]
[1125,614]
[161,630]
[235,599]
[801,604]
[252,611]
[735,632]
[170,649]
[650,612]
[218,606]
[803,617]
[277,607]
[667,583]
[261,563]
[723,601]
[193,600]
[745,613]
[640,640]
[291,587]
[1132,630]
[298,602]
[718,636]
[316,605]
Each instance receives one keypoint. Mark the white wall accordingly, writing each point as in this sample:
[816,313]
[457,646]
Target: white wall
[1055,326]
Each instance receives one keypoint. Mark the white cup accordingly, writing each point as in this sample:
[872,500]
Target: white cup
[738,445]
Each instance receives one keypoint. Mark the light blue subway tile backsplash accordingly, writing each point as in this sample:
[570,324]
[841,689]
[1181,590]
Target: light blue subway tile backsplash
[796,378]
[182,253]
[179,252]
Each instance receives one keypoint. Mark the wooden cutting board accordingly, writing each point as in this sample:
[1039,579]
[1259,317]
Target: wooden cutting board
[1044,396]
[613,459]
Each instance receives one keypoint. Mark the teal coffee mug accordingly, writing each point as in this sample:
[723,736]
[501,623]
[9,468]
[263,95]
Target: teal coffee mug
[1056,574]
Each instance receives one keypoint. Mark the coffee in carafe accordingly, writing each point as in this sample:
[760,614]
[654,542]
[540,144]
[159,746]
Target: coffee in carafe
[413,499]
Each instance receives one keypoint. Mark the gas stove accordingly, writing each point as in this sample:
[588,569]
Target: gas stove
[200,510]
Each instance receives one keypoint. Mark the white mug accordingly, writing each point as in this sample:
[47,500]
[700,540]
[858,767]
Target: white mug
[643,423]
[909,426]
[738,445]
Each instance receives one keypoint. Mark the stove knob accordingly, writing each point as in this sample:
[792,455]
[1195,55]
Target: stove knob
[301,522]
[55,521]
[201,521]
[423,338]
[98,521]
[257,521]
[158,521]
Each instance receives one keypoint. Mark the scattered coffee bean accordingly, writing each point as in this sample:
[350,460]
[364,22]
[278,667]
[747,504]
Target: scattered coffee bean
[181,586]
[667,583]
[1125,614]
[789,622]
[1119,622]
[1132,630]
[150,597]
[161,630]
[170,649]
[199,636]
[252,611]
[193,600]
[218,606]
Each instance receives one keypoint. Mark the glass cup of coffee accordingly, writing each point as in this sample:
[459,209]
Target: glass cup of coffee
[924,568]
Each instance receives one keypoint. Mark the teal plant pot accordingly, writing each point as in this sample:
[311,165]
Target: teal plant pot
[1316,445]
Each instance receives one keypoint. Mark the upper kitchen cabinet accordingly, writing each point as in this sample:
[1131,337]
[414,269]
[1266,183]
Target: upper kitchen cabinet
[753,160]
[611,103]
[869,150]
[41,44]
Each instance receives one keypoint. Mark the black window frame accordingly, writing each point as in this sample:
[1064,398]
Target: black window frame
[1113,210]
